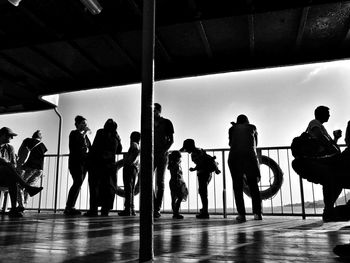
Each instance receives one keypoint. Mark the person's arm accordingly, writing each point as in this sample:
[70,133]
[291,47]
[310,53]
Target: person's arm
[323,139]
[132,154]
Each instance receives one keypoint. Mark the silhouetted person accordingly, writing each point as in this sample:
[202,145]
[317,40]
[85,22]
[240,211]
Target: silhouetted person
[200,159]
[131,169]
[243,160]
[31,165]
[9,175]
[79,146]
[327,146]
[102,169]
[178,188]
[163,139]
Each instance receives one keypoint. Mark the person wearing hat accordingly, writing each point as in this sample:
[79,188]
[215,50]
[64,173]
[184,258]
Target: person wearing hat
[242,160]
[79,147]
[9,176]
[204,169]
[163,139]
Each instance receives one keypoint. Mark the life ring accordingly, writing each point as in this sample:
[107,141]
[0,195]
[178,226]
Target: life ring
[120,190]
[275,185]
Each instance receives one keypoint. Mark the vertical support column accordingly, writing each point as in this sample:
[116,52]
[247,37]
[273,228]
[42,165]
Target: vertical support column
[58,157]
[146,172]
[224,185]
[302,198]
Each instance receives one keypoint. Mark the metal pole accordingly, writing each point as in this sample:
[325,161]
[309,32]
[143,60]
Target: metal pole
[146,172]
[58,156]
[224,185]
[302,198]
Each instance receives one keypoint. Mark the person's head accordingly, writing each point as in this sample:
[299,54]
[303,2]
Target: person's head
[157,109]
[80,123]
[188,146]
[322,114]
[135,136]
[174,156]
[242,119]
[37,135]
[110,126]
[6,134]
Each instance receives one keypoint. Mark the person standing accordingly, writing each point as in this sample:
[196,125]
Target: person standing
[9,175]
[204,169]
[242,160]
[178,188]
[102,169]
[30,165]
[130,171]
[79,147]
[163,139]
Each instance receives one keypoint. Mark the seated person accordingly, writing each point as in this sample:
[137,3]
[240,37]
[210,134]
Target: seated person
[326,165]
[9,176]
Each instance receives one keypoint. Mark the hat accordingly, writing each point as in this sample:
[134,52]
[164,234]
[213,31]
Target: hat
[7,131]
[188,145]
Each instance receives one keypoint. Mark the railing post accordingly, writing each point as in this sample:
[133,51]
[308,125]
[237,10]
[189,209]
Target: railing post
[302,198]
[224,185]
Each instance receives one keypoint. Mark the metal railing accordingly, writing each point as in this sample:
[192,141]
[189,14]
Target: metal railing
[296,197]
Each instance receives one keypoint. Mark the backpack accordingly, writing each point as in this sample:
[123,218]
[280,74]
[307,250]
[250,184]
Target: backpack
[23,153]
[305,146]
[210,163]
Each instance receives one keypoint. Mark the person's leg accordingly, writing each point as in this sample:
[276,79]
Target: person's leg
[237,184]
[93,189]
[132,192]
[252,174]
[31,176]
[128,179]
[160,163]
[203,180]
[78,175]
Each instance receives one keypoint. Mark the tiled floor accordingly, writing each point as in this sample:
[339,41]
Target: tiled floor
[53,238]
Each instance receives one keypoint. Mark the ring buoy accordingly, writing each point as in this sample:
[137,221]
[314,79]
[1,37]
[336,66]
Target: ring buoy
[120,190]
[276,183]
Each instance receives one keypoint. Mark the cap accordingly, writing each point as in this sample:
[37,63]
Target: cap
[7,131]
[188,145]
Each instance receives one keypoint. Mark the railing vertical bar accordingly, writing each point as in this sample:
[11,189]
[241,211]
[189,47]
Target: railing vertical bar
[290,184]
[313,197]
[215,205]
[281,197]
[224,185]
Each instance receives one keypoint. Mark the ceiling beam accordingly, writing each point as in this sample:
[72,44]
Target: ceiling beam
[205,41]
[301,28]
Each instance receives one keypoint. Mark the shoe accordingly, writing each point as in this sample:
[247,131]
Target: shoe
[71,212]
[241,219]
[342,251]
[32,190]
[178,216]
[13,213]
[20,209]
[202,215]
[133,213]
[124,213]
[156,215]
[90,213]
[257,217]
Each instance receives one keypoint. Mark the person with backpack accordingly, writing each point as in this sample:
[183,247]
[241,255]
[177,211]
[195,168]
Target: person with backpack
[323,163]
[30,162]
[243,160]
[205,165]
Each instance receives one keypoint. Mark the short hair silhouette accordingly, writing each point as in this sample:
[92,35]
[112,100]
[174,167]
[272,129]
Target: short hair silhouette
[241,119]
[158,107]
[135,136]
[321,111]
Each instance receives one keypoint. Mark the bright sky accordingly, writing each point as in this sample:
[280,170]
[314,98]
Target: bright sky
[280,102]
